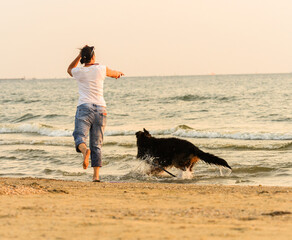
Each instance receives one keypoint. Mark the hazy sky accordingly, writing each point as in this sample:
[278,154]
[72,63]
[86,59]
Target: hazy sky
[39,38]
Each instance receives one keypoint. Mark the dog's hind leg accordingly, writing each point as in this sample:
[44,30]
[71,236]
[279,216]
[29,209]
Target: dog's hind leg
[191,167]
[193,161]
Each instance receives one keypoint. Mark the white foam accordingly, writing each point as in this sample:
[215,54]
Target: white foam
[236,135]
[37,142]
[179,132]
[185,174]
[36,128]
[191,133]
[119,132]
[224,171]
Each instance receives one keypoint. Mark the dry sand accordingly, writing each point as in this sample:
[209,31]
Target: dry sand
[49,209]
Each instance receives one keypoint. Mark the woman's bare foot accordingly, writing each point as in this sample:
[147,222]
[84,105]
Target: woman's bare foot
[86,159]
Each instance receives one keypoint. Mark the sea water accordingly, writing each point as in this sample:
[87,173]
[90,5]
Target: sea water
[244,119]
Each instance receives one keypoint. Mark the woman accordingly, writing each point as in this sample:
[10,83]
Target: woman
[91,109]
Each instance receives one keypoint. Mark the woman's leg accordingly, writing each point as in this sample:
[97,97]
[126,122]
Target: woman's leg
[96,141]
[82,126]
[86,153]
[95,173]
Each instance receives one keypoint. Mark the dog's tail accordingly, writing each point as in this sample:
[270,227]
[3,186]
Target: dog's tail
[211,159]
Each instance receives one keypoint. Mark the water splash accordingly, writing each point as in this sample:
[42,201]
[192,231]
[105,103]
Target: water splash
[185,174]
[224,172]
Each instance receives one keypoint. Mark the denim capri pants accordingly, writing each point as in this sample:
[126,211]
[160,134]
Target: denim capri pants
[90,118]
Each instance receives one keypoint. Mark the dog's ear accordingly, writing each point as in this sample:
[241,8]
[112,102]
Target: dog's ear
[146,132]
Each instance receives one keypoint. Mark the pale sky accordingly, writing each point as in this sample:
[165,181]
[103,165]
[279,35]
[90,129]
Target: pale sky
[39,38]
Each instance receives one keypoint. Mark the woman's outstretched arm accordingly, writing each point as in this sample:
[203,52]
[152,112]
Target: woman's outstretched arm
[113,73]
[73,64]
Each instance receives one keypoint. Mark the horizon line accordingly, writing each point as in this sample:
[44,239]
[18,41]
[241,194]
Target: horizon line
[137,76]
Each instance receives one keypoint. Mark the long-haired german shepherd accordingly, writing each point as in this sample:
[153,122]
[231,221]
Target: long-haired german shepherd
[168,152]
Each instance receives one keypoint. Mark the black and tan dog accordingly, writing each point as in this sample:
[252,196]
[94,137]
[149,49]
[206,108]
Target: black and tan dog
[168,152]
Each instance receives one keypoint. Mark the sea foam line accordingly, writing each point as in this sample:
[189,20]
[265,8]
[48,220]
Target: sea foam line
[36,128]
[236,136]
[180,131]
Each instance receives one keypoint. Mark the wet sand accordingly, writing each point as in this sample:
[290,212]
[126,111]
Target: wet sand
[33,208]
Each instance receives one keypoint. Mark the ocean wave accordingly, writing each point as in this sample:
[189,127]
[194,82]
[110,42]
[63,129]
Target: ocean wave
[30,116]
[40,129]
[37,142]
[288,119]
[179,131]
[253,169]
[119,132]
[249,146]
[57,142]
[54,116]
[20,100]
[49,171]
[188,132]
[26,117]
[107,143]
[195,97]
[236,135]
[233,146]
[120,144]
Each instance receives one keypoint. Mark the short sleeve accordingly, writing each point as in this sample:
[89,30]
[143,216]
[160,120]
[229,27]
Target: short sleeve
[75,71]
[102,69]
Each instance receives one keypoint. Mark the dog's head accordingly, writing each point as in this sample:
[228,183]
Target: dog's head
[142,135]
[143,139]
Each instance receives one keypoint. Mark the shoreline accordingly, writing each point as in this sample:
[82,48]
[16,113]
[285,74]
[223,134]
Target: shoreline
[35,208]
[185,182]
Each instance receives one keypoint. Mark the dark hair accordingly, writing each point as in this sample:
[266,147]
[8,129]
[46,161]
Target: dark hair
[86,54]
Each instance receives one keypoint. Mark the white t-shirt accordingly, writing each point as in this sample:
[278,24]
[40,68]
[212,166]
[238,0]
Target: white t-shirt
[90,84]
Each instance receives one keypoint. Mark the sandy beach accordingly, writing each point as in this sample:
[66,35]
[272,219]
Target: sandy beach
[34,208]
